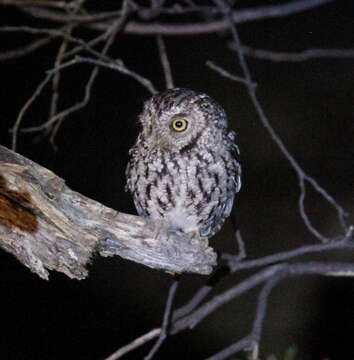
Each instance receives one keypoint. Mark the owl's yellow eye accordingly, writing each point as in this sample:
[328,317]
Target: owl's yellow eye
[179,124]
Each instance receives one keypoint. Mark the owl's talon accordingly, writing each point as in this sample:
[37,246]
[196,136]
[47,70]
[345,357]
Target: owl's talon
[161,225]
[205,239]
[194,234]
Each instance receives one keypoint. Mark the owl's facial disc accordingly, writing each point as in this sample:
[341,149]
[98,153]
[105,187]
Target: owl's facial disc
[180,129]
[177,119]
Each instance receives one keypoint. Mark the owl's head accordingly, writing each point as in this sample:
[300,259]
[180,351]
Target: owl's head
[177,119]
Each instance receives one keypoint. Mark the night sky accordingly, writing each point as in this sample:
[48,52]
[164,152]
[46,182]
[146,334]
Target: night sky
[309,104]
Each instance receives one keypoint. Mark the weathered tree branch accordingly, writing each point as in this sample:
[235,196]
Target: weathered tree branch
[47,226]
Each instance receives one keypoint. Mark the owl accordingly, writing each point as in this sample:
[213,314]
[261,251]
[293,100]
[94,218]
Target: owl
[183,169]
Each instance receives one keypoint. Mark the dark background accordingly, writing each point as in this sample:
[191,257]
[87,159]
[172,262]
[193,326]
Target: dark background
[310,105]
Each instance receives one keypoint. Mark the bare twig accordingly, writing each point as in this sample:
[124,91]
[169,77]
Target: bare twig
[85,45]
[165,62]
[228,75]
[189,315]
[251,341]
[35,31]
[56,79]
[60,16]
[240,345]
[270,277]
[241,247]
[166,320]
[192,303]
[25,50]
[112,33]
[63,113]
[235,265]
[66,35]
[117,65]
[28,103]
[40,3]
[192,319]
[55,90]
[152,334]
[302,176]
[262,308]
[343,243]
[304,55]
[166,29]
[113,64]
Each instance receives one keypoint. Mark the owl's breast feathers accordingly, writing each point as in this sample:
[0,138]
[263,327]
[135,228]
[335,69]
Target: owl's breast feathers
[192,189]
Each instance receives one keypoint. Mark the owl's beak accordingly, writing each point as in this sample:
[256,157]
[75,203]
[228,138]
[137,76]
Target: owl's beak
[159,142]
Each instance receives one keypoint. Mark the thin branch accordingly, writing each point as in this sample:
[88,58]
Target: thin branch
[202,293]
[50,33]
[305,55]
[192,319]
[152,334]
[56,78]
[302,176]
[40,3]
[279,271]
[25,50]
[60,16]
[79,105]
[228,75]
[165,62]
[192,303]
[65,35]
[241,247]
[166,320]
[114,64]
[28,103]
[303,214]
[242,344]
[117,65]
[149,13]
[34,30]
[326,268]
[345,243]
[161,333]
[117,25]
[262,308]
[55,89]
[85,45]
[251,341]
[235,265]
[167,29]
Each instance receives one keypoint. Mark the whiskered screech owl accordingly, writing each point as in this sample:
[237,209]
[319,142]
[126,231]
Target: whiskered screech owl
[183,168]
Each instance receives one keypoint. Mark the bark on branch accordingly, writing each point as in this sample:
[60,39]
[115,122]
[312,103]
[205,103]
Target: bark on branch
[47,226]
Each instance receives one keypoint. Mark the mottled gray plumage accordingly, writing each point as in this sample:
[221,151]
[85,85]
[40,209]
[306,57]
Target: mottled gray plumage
[183,168]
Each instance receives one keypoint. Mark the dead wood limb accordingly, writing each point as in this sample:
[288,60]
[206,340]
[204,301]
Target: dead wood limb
[46,225]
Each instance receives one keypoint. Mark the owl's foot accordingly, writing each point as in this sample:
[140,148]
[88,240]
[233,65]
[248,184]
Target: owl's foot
[194,234]
[161,225]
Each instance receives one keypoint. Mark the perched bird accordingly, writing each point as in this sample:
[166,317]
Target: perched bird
[183,169]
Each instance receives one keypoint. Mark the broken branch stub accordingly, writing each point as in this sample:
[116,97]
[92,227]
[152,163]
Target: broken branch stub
[47,226]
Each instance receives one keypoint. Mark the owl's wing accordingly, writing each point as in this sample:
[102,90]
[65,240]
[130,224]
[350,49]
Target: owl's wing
[131,176]
[236,168]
